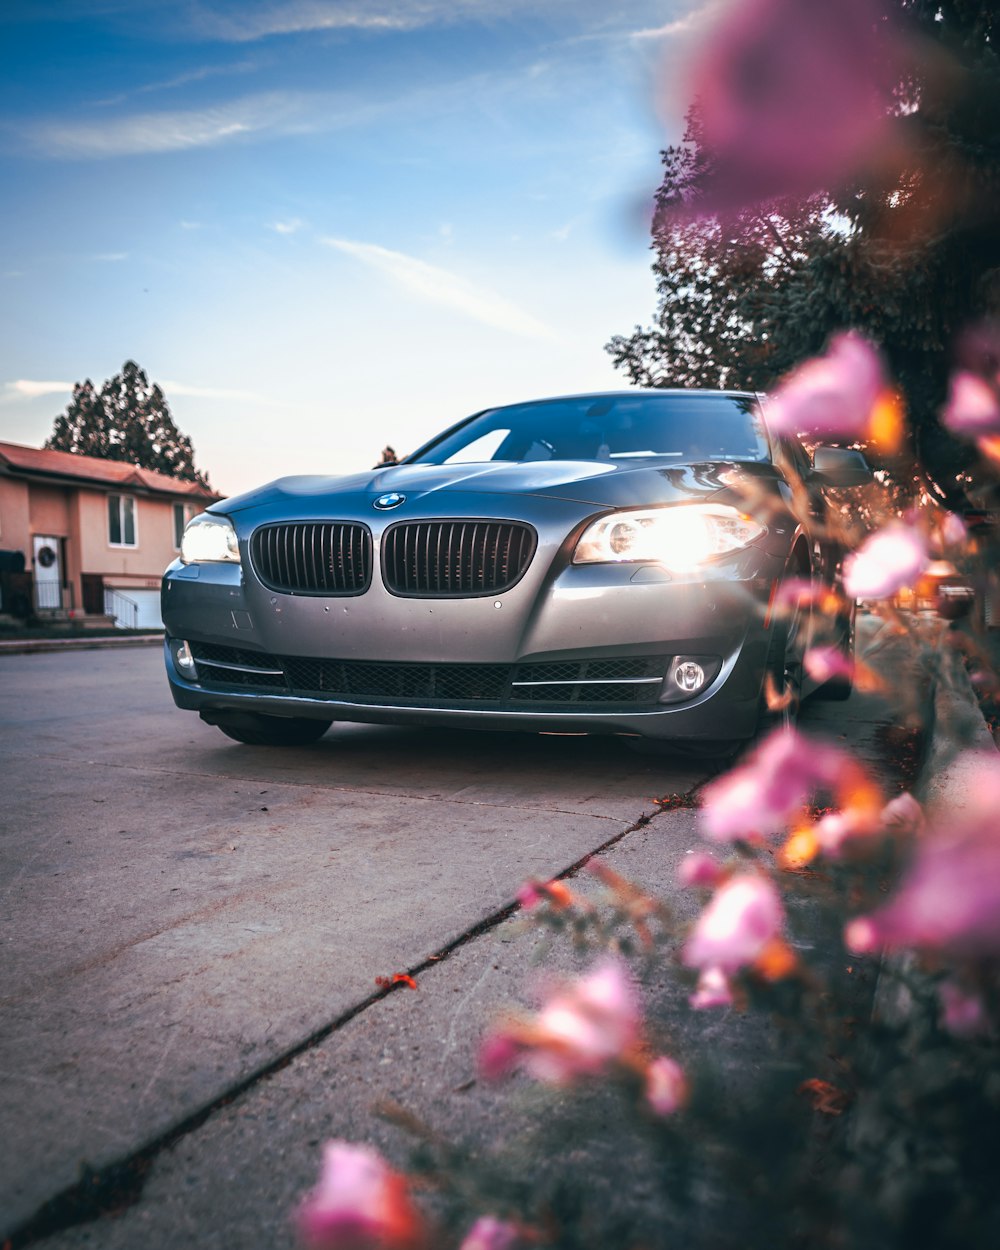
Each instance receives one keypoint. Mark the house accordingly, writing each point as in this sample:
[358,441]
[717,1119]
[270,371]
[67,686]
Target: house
[91,536]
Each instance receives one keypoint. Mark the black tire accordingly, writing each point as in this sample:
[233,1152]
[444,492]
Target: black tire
[783,670]
[270,731]
[837,689]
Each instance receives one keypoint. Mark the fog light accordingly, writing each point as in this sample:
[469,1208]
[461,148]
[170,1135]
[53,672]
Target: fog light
[689,675]
[185,660]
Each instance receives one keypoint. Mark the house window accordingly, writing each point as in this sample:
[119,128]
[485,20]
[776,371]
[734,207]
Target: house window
[183,512]
[121,521]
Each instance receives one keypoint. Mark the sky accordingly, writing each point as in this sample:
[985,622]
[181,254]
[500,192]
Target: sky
[322,226]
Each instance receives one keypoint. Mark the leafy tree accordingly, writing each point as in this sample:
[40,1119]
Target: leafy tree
[908,253]
[128,420]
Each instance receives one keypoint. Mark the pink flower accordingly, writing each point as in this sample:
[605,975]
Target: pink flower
[953,530]
[666,1086]
[713,990]
[948,900]
[903,814]
[832,394]
[888,560]
[360,1203]
[699,869]
[973,406]
[489,1233]
[962,1012]
[824,663]
[585,1026]
[744,915]
[793,96]
[760,796]
[530,895]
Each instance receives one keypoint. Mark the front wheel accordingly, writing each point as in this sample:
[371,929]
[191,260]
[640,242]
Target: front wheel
[256,730]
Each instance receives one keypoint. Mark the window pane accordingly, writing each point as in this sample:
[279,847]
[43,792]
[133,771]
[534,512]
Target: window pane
[114,519]
[128,511]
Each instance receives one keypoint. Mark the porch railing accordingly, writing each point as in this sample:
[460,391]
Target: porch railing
[122,608]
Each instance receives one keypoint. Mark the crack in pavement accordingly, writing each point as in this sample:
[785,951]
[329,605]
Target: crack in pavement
[116,1186]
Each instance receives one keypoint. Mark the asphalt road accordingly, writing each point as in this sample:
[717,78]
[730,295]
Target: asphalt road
[181,912]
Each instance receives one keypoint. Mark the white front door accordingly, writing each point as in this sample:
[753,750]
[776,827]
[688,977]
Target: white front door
[48,573]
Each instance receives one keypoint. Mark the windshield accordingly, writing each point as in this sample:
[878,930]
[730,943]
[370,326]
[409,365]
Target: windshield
[678,427]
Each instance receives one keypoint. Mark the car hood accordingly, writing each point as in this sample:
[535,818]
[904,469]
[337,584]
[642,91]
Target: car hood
[603,485]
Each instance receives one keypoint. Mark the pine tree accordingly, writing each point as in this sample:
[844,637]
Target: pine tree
[128,420]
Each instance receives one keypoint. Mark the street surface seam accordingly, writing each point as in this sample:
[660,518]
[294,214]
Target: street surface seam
[119,1185]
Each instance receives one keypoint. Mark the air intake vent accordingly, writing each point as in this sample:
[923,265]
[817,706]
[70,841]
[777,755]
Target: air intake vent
[313,557]
[456,559]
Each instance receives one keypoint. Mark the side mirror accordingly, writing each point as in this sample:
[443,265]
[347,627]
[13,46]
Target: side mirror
[840,466]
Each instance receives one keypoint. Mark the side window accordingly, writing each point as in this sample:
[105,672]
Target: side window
[121,521]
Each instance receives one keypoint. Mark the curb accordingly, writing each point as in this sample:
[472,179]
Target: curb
[24,646]
[959,738]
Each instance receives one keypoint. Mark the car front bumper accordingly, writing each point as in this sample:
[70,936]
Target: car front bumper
[587,649]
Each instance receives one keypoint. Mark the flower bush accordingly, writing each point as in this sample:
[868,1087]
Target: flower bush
[879,1126]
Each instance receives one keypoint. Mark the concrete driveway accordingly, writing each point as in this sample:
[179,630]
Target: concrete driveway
[193,930]
[181,911]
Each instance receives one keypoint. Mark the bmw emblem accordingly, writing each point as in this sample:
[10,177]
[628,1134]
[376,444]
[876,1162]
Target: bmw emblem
[392,500]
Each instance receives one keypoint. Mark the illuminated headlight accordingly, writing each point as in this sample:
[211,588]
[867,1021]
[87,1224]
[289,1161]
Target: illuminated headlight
[209,538]
[679,537]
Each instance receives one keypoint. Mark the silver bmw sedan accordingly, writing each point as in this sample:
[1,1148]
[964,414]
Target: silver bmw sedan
[602,564]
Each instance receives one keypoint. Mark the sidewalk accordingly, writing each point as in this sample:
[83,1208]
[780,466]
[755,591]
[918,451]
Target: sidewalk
[228,1180]
[76,642]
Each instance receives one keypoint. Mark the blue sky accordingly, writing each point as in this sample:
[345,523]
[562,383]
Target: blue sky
[324,225]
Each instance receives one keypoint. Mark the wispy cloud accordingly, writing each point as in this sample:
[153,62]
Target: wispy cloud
[199,74]
[26,388]
[287,227]
[252,21]
[210,392]
[697,19]
[111,257]
[263,115]
[450,290]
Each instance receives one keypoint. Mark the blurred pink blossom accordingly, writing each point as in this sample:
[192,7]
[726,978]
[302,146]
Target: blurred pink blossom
[793,96]
[760,796]
[585,1025]
[824,663]
[830,395]
[962,1012]
[360,1203]
[744,915]
[666,1086]
[489,1233]
[888,560]
[953,530]
[713,990]
[948,900]
[903,814]
[800,592]
[699,869]
[973,406]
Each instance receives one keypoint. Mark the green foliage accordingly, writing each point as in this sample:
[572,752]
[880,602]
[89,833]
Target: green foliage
[128,420]
[908,254]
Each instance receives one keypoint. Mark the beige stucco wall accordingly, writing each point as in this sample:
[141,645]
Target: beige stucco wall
[15,524]
[154,547]
[79,514]
[49,510]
